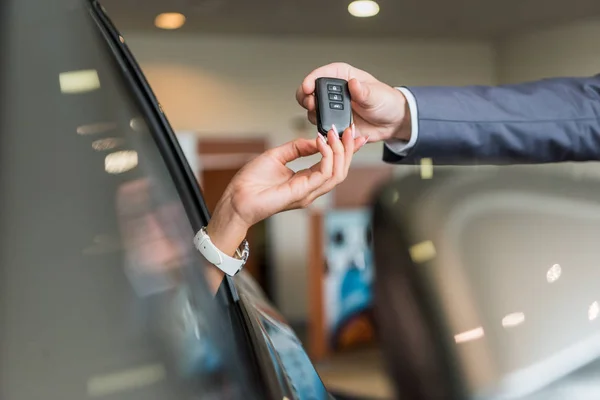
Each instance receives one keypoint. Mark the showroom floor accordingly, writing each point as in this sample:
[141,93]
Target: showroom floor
[359,373]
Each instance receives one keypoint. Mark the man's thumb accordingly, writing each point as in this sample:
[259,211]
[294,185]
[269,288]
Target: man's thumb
[362,93]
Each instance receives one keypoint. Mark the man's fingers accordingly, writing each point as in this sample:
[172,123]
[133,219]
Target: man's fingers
[331,71]
[334,70]
[300,95]
[310,103]
[361,93]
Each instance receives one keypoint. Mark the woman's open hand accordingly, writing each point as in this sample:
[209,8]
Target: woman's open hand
[266,186]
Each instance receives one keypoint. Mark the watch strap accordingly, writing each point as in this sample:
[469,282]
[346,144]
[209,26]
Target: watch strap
[229,265]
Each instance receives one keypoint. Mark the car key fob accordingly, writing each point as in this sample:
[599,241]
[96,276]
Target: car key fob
[333,106]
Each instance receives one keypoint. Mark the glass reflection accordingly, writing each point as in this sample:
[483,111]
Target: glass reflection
[102,293]
[79,81]
[469,335]
[553,273]
[593,311]
[513,319]
[106,144]
[120,161]
[92,129]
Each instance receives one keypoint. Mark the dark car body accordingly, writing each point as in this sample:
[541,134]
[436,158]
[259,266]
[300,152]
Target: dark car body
[102,294]
[487,283]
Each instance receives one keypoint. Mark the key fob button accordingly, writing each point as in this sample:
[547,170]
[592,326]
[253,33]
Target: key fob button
[335,97]
[334,88]
[336,106]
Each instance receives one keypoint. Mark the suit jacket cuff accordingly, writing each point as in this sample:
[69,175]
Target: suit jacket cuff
[401,147]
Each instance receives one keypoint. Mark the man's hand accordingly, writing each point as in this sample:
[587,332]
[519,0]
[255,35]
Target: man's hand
[380,111]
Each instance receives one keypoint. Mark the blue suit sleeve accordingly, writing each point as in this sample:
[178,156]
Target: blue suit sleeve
[546,121]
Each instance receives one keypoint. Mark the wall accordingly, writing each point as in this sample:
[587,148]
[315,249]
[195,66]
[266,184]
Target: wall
[239,86]
[569,50]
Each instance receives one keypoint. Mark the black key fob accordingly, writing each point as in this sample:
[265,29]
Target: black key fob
[332,98]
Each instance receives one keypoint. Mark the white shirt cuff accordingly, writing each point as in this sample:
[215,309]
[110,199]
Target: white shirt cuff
[401,147]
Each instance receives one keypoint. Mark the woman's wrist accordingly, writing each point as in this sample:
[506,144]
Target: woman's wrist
[225,228]
[227,231]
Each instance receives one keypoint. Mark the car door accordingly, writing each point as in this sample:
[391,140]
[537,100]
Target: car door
[486,283]
[102,293]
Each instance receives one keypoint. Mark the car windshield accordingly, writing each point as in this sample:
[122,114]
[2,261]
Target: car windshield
[101,291]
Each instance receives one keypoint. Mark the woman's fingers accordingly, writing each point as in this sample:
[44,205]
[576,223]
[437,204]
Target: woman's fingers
[359,142]
[306,181]
[293,150]
[336,145]
[327,162]
[342,156]
[349,147]
[333,167]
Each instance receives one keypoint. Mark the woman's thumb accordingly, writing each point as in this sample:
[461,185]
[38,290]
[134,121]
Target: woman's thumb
[362,93]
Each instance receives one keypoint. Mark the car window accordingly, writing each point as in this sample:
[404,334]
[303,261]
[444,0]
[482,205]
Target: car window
[102,294]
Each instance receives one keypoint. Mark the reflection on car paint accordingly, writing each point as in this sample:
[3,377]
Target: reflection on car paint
[197,353]
[297,367]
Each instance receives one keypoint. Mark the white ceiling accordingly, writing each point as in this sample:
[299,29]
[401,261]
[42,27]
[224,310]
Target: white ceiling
[409,18]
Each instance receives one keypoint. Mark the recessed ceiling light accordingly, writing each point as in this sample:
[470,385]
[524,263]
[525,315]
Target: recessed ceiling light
[169,20]
[363,8]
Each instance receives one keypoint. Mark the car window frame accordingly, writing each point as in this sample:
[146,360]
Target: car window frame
[186,185]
